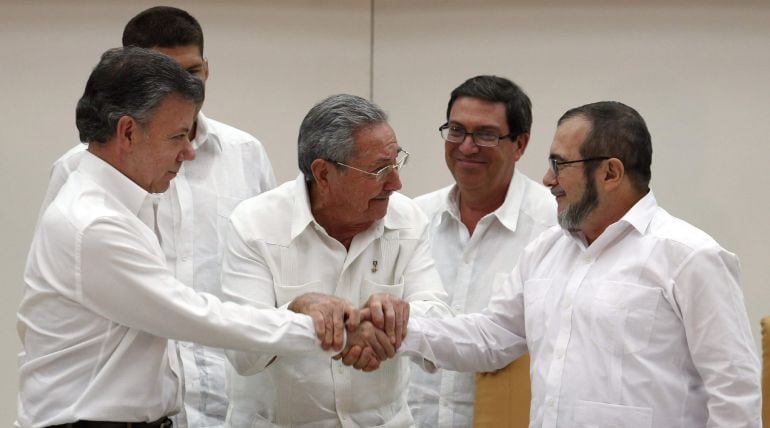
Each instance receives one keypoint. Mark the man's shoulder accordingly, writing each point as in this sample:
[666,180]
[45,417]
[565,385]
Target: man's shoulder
[538,203]
[434,202]
[228,134]
[678,232]
[404,213]
[71,158]
[267,216]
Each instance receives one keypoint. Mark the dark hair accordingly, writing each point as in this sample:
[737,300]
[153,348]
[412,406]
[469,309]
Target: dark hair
[518,107]
[165,27]
[130,81]
[618,131]
[328,129]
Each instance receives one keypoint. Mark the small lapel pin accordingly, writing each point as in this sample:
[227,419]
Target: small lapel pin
[374,266]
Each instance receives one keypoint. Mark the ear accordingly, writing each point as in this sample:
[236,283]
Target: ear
[127,132]
[205,70]
[614,173]
[320,169]
[521,141]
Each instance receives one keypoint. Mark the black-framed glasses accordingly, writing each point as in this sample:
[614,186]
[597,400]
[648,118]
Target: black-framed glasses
[484,138]
[555,164]
[382,173]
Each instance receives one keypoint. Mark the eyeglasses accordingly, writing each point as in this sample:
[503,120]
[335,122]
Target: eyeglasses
[555,164]
[456,135]
[382,173]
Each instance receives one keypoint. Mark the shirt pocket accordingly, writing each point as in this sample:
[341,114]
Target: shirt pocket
[535,309]
[590,414]
[370,287]
[622,317]
[286,293]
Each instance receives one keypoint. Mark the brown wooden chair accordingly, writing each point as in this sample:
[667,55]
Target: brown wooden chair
[502,398]
[765,372]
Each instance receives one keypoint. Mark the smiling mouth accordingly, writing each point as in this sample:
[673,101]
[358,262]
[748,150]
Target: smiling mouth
[473,161]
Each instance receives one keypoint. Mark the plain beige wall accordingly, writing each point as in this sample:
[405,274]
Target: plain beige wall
[696,70]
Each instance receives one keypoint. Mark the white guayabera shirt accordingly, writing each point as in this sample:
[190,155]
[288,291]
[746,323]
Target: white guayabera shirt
[229,166]
[99,302]
[469,265]
[646,327]
[276,251]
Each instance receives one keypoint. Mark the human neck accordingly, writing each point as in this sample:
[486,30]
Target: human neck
[475,205]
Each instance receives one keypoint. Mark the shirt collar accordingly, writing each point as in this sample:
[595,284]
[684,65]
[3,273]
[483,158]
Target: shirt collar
[201,131]
[641,214]
[507,213]
[114,182]
[638,217]
[302,214]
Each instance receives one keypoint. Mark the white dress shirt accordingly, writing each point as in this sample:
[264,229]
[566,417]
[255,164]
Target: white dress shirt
[230,165]
[469,265]
[646,327]
[276,251]
[99,303]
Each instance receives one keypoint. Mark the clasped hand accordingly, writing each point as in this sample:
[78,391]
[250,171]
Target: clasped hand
[375,331]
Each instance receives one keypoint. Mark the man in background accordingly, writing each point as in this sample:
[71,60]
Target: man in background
[480,224]
[229,166]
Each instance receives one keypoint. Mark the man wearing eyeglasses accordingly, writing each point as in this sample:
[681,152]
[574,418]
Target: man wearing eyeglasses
[338,236]
[632,317]
[480,224]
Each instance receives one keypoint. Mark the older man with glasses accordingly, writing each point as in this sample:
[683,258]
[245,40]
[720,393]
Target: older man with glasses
[336,240]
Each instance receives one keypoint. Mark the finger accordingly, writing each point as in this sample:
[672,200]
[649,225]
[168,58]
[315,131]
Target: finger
[320,327]
[373,341]
[401,309]
[384,341]
[390,319]
[338,323]
[378,318]
[364,314]
[353,316]
[353,354]
[364,360]
[374,364]
[329,325]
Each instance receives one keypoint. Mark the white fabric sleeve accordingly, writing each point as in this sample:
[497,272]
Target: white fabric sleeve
[707,290]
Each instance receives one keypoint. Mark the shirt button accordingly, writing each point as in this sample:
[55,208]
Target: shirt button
[559,355]
[551,402]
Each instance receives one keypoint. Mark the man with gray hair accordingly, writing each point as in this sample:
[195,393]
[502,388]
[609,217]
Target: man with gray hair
[100,302]
[337,235]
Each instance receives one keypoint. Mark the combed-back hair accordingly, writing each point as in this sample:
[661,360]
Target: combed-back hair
[617,131]
[165,27]
[518,107]
[130,81]
[328,130]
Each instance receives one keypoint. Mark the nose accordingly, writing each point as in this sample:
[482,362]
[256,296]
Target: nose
[188,152]
[550,179]
[393,182]
[468,146]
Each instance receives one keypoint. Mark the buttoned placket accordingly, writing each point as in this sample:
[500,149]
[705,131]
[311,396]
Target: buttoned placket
[556,370]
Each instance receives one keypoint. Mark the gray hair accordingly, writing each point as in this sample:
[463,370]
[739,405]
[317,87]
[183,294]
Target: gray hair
[328,129]
[130,81]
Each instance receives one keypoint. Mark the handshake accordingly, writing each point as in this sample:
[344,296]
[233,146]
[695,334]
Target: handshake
[375,330]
